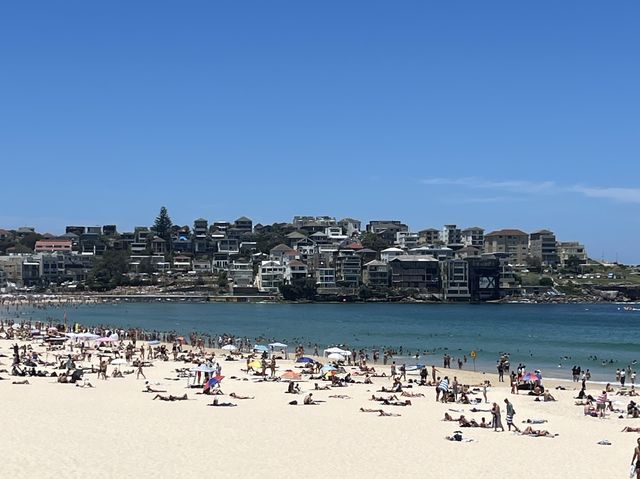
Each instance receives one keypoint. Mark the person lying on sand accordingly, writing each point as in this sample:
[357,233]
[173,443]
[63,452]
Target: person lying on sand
[321,388]
[464,422]
[379,411]
[393,397]
[631,429]
[237,396]
[216,403]
[149,389]
[529,431]
[386,402]
[86,384]
[534,421]
[412,395]
[25,381]
[449,417]
[340,396]
[171,397]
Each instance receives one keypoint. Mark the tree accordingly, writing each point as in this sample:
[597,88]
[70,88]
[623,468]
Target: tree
[163,224]
[29,240]
[299,289]
[109,270]
[573,263]
[223,280]
[546,281]
[374,242]
[534,263]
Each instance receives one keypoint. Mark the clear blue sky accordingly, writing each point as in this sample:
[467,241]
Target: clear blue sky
[497,114]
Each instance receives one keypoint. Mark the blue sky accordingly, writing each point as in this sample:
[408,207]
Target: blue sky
[497,114]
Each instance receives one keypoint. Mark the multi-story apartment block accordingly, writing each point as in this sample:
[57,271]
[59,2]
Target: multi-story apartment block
[270,276]
[53,245]
[348,268]
[569,249]
[386,229]
[376,274]
[473,236]
[418,272]
[451,234]
[429,236]
[511,241]
[542,245]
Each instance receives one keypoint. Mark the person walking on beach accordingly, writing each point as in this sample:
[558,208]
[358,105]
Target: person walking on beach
[272,366]
[510,413]
[622,377]
[497,418]
[635,461]
[139,372]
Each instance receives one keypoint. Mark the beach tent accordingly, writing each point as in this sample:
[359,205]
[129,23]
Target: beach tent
[229,347]
[278,345]
[155,342]
[261,348]
[336,357]
[337,350]
[203,368]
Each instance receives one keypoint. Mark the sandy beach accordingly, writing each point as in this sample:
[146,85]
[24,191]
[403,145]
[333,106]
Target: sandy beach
[114,429]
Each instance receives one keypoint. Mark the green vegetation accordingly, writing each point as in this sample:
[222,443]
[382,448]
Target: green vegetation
[163,225]
[299,289]
[374,242]
[109,271]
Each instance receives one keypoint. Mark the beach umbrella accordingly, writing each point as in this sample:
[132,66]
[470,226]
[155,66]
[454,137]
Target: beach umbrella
[260,347]
[155,342]
[203,368]
[229,347]
[213,381]
[336,356]
[278,345]
[118,362]
[531,377]
[327,368]
[255,364]
[71,335]
[291,375]
[305,360]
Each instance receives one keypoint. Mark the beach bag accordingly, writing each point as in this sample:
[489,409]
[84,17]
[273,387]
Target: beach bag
[632,471]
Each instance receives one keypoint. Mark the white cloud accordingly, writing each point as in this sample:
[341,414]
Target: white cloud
[480,183]
[622,195]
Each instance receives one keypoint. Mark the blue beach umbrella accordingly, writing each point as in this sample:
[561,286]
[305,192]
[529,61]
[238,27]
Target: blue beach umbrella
[327,368]
[304,360]
[260,347]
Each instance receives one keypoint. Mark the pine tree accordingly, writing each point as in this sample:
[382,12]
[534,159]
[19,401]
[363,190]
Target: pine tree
[162,225]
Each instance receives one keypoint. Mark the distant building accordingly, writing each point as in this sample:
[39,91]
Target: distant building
[241,274]
[451,234]
[473,236]
[542,245]
[109,230]
[418,272]
[270,276]
[376,274]
[348,269]
[569,249]
[511,241]
[295,270]
[53,246]
[388,254]
[429,236]
[350,226]
[386,229]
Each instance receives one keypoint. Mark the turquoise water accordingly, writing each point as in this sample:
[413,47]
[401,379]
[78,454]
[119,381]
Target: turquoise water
[536,335]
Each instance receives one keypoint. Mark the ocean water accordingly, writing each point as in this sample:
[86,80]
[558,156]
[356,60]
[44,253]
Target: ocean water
[552,338]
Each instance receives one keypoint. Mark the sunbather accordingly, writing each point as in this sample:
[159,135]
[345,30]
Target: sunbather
[171,397]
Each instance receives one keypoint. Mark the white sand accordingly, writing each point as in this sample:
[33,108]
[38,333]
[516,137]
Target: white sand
[115,430]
